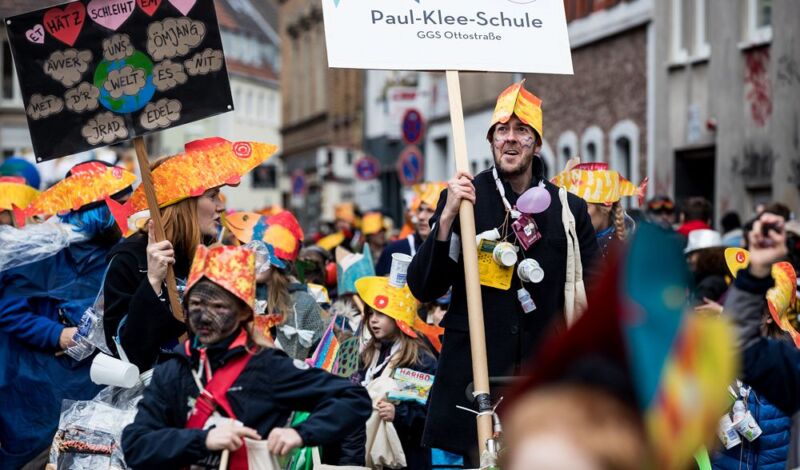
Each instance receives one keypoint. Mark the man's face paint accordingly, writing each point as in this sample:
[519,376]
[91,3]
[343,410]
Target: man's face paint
[513,146]
[212,312]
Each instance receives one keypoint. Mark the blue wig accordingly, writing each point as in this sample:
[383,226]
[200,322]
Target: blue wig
[91,221]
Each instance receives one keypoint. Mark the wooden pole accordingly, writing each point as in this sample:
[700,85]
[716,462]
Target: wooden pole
[223,461]
[155,216]
[469,250]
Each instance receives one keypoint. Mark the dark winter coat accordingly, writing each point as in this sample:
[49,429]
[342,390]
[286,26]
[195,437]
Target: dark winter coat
[148,326]
[269,389]
[511,335]
[771,367]
[37,301]
[769,451]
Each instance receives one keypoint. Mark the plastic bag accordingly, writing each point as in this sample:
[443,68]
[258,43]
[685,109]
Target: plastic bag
[90,432]
[90,334]
[262,255]
[34,242]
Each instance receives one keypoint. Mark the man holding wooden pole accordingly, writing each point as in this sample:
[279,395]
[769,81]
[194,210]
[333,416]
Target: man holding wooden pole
[529,261]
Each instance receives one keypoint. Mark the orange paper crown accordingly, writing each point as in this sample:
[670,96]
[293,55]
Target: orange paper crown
[372,223]
[516,100]
[88,182]
[205,164]
[230,267]
[595,183]
[15,193]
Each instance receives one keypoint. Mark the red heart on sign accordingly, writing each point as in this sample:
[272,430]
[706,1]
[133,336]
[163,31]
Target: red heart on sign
[149,6]
[65,24]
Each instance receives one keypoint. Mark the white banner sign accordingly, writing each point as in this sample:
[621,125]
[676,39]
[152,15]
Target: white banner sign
[527,36]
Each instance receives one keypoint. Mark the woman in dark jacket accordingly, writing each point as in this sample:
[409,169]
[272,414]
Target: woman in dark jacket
[136,307]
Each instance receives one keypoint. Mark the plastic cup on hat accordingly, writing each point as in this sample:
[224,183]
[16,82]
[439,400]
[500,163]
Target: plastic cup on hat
[107,370]
[399,269]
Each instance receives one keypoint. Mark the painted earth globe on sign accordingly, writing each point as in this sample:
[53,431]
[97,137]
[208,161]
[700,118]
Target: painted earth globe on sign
[126,85]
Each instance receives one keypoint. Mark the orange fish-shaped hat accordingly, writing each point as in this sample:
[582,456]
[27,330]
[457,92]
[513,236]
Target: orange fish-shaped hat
[285,234]
[595,183]
[205,164]
[516,100]
[782,298]
[87,183]
[231,267]
[372,223]
[15,193]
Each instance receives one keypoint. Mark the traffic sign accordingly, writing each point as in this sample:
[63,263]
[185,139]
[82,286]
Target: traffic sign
[367,168]
[299,185]
[413,126]
[409,166]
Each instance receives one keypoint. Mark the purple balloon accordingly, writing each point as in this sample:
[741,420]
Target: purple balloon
[534,200]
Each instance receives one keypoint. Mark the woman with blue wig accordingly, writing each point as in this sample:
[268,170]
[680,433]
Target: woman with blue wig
[41,304]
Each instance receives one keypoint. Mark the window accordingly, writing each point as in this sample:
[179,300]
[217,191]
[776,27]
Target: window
[624,137]
[689,30]
[592,145]
[349,157]
[265,177]
[567,148]
[548,160]
[759,20]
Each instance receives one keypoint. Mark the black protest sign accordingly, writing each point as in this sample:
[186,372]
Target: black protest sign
[98,72]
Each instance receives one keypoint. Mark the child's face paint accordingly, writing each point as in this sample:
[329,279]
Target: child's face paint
[213,314]
[382,326]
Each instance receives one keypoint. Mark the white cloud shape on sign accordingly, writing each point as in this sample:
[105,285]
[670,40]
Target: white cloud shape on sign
[67,66]
[117,47]
[173,37]
[160,114]
[168,75]
[209,60]
[125,81]
[106,128]
[82,98]
[39,107]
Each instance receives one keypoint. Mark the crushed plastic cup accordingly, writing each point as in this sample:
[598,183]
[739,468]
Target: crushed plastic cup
[107,370]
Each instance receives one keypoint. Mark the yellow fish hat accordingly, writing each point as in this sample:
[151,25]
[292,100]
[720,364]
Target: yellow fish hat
[204,164]
[516,100]
[329,242]
[85,184]
[595,183]
[15,193]
[372,223]
[395,302]
[428,193]
[781,299]
[231,267]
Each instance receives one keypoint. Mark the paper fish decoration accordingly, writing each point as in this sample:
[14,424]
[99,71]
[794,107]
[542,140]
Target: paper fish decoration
[246,226]
[782,298]
[205,164]
[89,182]
[15,193]
[231,267]
[331,241]
[518,101]
[281,231]
[595,183]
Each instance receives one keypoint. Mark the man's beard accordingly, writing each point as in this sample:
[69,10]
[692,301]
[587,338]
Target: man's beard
[523,167]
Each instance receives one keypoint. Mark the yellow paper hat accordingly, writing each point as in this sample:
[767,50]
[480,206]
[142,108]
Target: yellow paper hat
[345,211]
[331,241]
[231,267]
[428,193]
[372,223]
[595,183]
[15,193]
[395,302]
[516,100]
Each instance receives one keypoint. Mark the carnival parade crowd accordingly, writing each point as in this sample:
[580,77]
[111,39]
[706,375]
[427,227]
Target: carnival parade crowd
[616,338]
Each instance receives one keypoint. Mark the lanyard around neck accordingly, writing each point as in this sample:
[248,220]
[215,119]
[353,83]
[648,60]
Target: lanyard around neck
[515,214]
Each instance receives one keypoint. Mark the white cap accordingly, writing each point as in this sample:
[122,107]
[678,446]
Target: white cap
[701,239]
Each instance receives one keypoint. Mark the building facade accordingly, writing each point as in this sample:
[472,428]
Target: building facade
[322,116]
[728,94]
